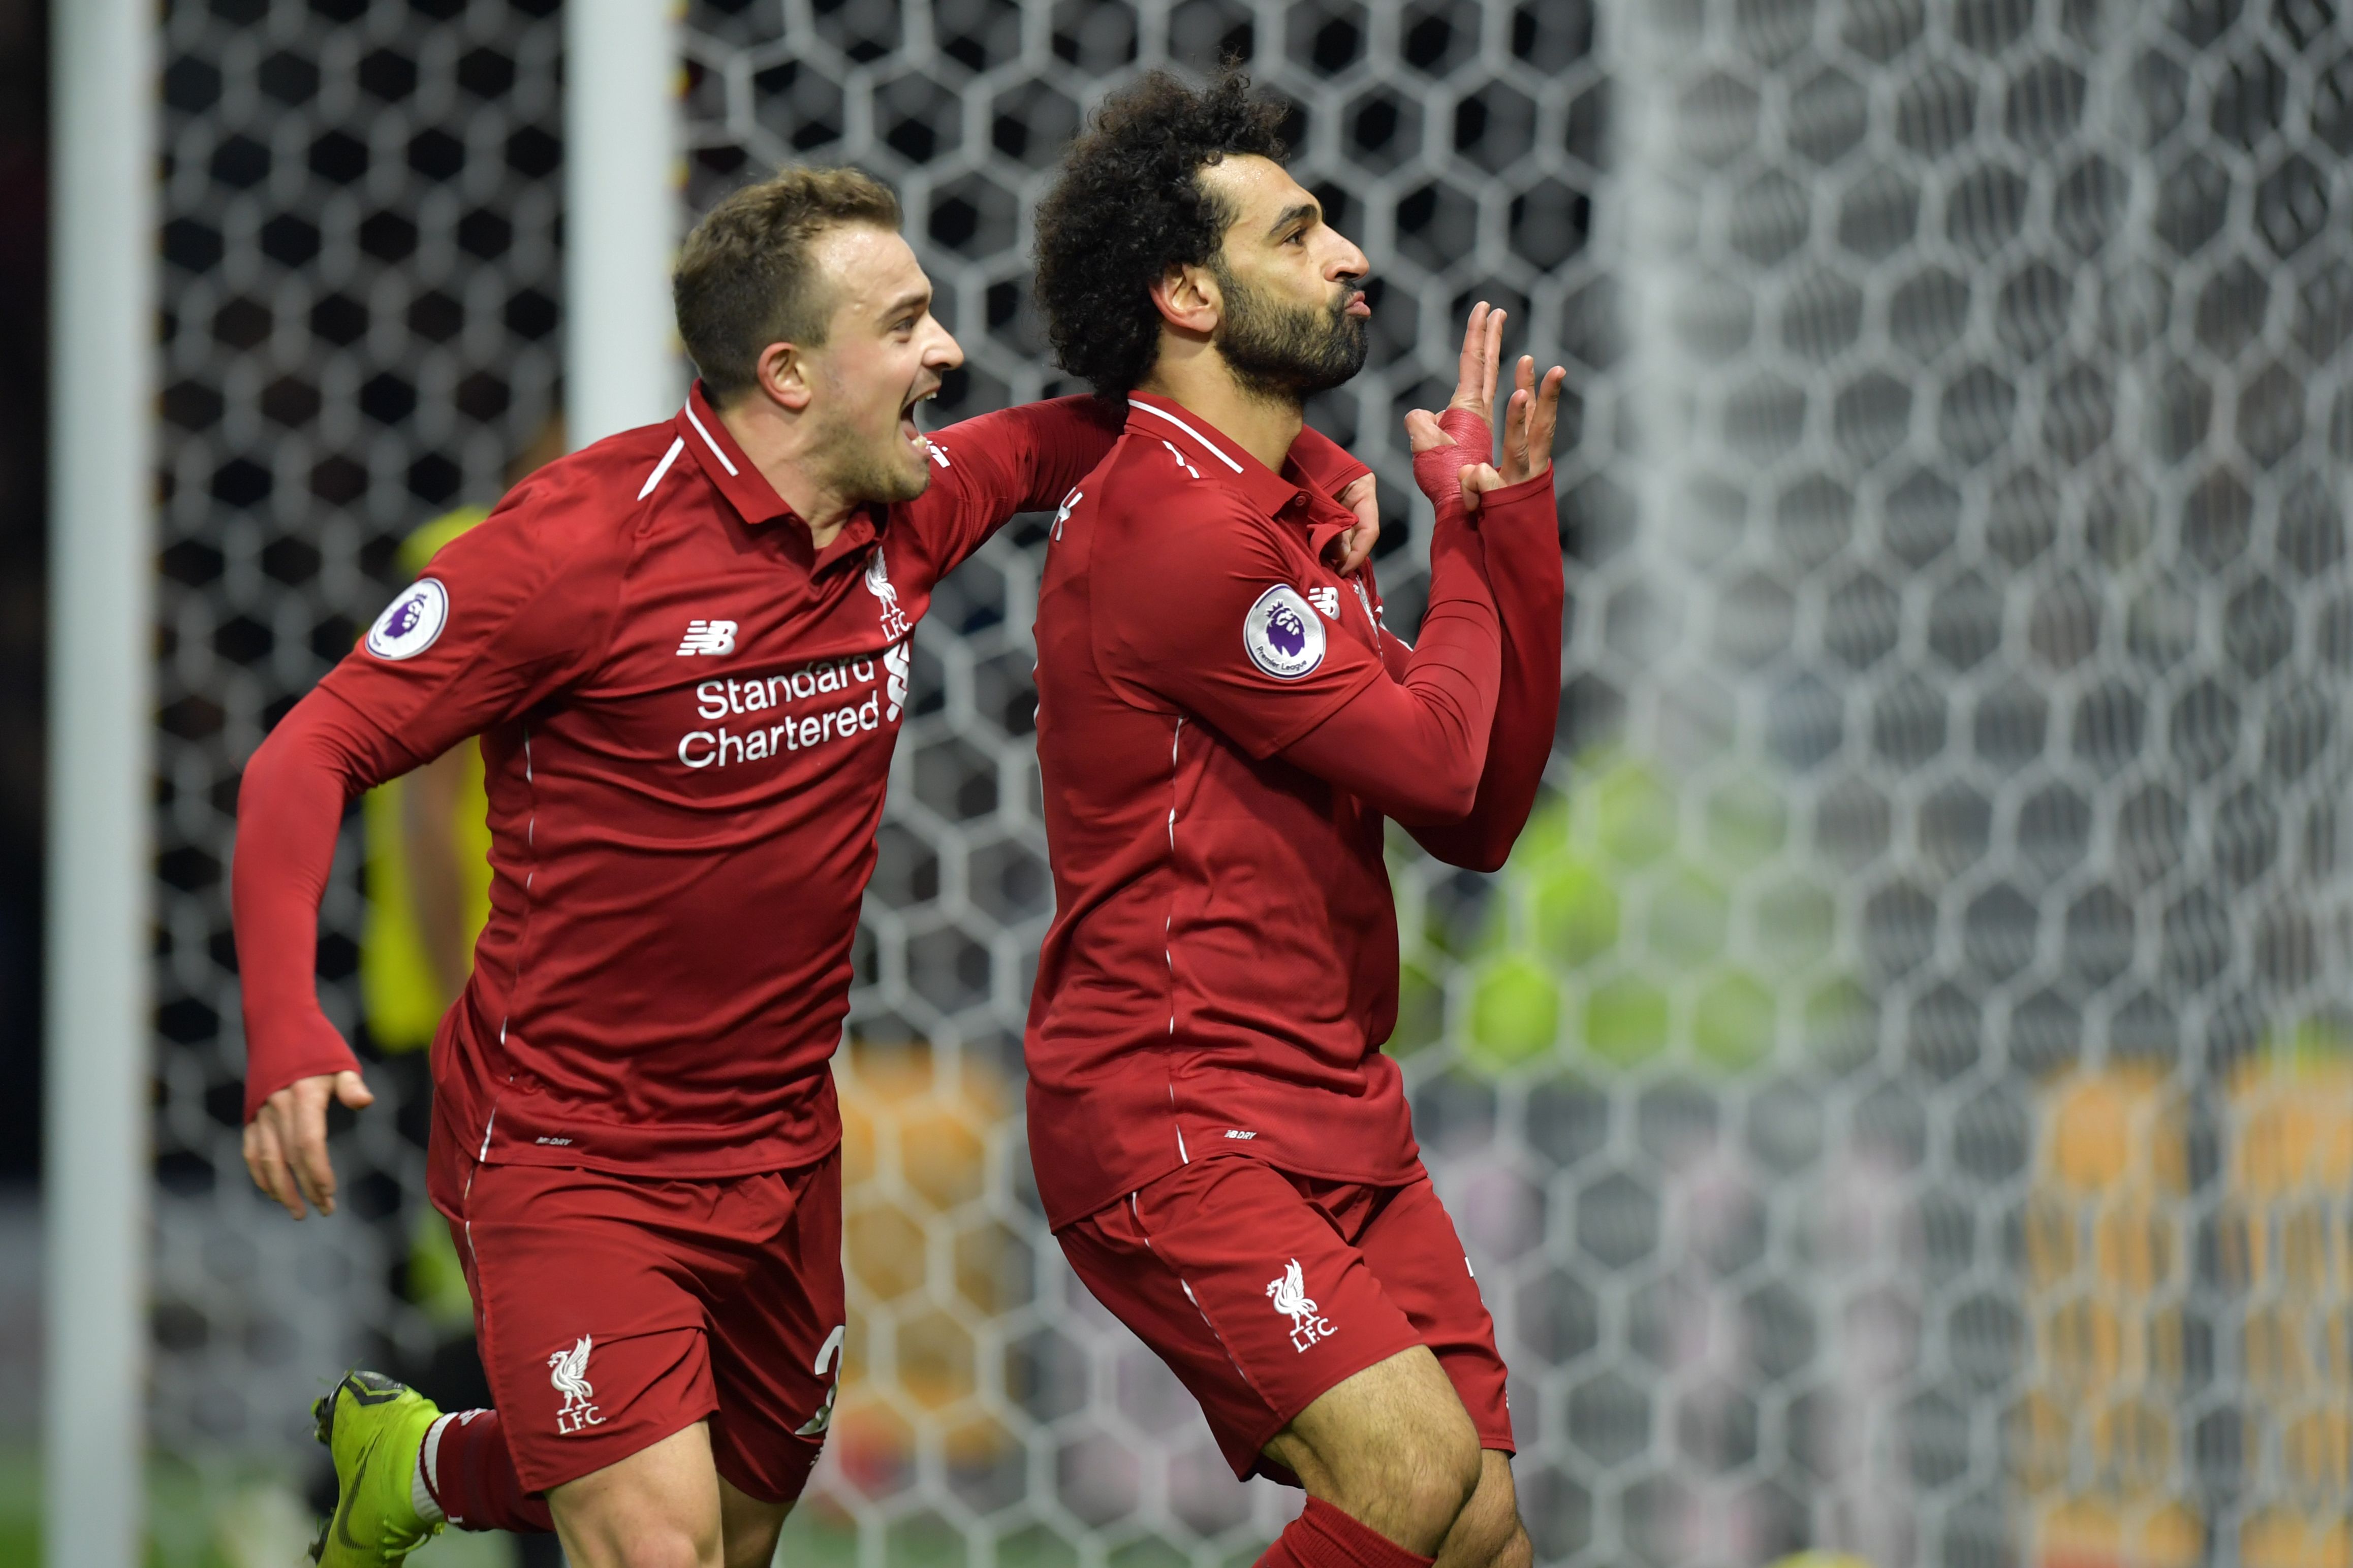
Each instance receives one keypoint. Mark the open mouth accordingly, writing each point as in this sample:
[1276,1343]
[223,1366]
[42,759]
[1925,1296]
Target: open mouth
[907,431]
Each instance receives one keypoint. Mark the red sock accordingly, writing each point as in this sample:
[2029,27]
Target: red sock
[1324,1537]
[470,1474]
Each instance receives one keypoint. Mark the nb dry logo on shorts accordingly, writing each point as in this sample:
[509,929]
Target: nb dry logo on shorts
[568,1371]
[1289,1295]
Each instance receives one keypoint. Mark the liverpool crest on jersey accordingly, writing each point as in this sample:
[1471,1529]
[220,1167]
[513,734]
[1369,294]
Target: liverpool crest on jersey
[878,583]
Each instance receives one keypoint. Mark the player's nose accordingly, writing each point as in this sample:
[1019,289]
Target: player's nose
[943,353]
[1348,263]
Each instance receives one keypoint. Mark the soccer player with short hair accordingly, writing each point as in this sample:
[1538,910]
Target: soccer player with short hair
[1224,723]
[686,651]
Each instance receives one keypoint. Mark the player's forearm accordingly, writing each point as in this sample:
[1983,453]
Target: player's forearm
[1518,531]
[1413,749]
[289,808]
[1458,556]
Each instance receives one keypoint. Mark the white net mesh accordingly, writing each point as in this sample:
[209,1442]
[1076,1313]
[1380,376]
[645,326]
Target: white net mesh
[1897,1099]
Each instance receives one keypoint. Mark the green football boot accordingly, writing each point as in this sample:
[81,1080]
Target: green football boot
[374,1426]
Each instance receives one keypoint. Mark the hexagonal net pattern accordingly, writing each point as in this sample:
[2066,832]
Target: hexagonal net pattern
[1897,1098]
[360,273]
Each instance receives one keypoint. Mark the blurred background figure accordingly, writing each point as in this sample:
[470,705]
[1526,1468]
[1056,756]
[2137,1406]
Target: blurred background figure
[427,874]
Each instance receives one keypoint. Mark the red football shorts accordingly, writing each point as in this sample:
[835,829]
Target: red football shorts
[612,1312]
[1262,1290]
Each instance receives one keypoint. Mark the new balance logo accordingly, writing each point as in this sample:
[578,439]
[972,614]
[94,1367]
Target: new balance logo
[708,637]
[1289,1295]
[1326,599]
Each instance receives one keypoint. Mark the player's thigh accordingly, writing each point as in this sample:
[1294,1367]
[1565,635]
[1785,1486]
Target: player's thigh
[748,1527]
[776,1339]
[591,1331]
[1244,1288]
[1488,1533]
[1412,1249]
[658,1507]
[1391,1446]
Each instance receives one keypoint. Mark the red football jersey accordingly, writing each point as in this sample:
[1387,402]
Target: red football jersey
[687,717]
[1223,967]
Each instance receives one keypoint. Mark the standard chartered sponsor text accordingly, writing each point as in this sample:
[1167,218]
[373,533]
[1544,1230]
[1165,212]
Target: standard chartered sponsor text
[725,745]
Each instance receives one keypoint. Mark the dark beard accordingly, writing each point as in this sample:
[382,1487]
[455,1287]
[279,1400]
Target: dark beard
[1286,354]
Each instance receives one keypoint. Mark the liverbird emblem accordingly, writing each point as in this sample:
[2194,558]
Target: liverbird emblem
[568,1371]
[1290,1297]
[879,583]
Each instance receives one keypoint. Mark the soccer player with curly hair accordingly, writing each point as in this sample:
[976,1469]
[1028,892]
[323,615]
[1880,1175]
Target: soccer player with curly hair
[1224,724]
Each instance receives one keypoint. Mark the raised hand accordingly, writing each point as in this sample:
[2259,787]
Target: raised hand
[1529,422]
[1474,381]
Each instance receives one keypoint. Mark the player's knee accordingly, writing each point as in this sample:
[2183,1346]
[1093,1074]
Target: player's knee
[1428,1472]
[1454,1464]
[646,1546]
[1517,1551]
[1488,1537]
[756,1549]
[672,1549]
[755,1554]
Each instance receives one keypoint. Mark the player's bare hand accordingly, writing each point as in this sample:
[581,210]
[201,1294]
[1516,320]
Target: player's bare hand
[286,1142]
[1483,348]
[1357,541]
[1529,422]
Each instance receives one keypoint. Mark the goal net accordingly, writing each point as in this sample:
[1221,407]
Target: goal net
[1898,1099]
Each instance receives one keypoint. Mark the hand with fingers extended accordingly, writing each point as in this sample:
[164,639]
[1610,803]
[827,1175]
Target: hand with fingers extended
[1443,444]
[1451,449]
[286,1142]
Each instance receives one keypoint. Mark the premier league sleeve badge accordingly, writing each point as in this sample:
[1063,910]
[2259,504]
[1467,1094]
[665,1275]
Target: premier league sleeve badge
[411,622]
[1282,635]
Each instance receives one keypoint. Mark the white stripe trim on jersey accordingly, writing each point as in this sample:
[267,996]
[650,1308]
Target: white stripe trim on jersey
[676,446]
[1189,430]
[707,441]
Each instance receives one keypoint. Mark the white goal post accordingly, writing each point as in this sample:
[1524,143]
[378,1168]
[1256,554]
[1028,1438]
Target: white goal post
[101,779]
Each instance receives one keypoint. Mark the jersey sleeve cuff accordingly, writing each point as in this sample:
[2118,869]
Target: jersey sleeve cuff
[1515,498]
[316,1059]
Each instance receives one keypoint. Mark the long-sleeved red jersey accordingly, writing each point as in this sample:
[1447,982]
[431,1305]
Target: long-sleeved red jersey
[1223,723]
[687,716]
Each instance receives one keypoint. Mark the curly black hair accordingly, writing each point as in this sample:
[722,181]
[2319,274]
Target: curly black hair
[1129,205]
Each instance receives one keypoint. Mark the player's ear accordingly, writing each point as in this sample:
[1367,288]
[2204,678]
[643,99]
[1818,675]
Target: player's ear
[1187,299]
[783,375]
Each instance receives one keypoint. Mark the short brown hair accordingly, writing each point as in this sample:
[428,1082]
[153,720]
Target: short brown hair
[744,278]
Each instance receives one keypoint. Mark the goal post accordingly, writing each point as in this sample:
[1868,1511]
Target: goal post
[620,200]
[101,781]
